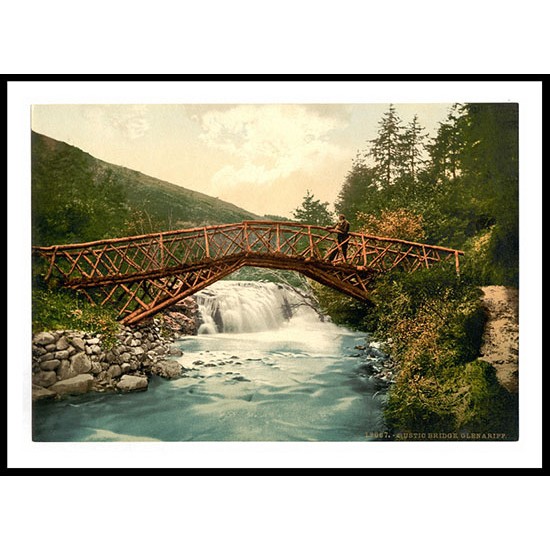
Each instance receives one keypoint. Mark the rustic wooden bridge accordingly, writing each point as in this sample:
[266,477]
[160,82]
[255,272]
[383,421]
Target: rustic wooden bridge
[145,274]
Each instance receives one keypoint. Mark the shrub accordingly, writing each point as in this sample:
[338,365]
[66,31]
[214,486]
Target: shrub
[435,322]
[399,224]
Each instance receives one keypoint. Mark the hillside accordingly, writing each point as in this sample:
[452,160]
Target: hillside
[78,197]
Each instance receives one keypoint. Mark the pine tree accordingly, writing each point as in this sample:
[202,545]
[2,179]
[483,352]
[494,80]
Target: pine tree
[386,149]
[445,149]
[313,211]
[412,150]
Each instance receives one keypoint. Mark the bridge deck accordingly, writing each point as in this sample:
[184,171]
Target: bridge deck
[143,274]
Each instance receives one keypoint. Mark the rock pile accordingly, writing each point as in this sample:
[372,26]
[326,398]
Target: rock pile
[68,362]
[72,362]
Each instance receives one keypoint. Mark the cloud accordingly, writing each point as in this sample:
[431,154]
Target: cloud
[127,121]
[268,142]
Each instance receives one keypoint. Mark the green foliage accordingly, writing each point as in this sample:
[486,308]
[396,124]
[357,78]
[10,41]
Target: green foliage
[359,192]
[344,310]
[434,324]
[433,305]
[445,149]
[398,224]
[463,183]
[412,151]
[71,201]
[387,149]
[313,211]
[63,309]
[467,399]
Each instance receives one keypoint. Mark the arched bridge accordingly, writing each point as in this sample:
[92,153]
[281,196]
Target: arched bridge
[145,274]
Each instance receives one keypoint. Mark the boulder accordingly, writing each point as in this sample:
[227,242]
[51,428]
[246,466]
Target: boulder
[114,371]
[167,369]
[65,371]
[81,363]
[110,357]
[132,383]
[52,364]
[78,343]
[62,344]
[96,367]
[38,351]
[38,392]
[175,351]
[160,350]
[125,367]
[43,338]
[44,378]
[63,354]
[78,384]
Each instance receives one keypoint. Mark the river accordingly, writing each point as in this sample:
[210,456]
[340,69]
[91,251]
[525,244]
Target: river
[264,367]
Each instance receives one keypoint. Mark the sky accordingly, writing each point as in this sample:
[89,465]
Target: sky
[261,157]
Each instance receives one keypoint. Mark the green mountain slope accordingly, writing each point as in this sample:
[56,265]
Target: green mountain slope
[76,197]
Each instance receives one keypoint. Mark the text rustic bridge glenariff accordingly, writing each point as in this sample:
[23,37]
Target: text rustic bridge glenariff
[144,274]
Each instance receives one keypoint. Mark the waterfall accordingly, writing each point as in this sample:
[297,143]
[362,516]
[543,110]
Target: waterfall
[249,306]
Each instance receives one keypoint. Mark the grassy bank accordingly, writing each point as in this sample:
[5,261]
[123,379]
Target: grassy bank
[61,309]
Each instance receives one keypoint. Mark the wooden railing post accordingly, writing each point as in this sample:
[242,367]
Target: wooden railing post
[425,254]
[161,244]
[52,263]
[206,245]
[245,233]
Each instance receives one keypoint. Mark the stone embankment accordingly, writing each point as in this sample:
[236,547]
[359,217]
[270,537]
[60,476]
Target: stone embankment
[68,362]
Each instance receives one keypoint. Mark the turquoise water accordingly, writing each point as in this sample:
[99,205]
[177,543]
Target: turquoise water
[302,381]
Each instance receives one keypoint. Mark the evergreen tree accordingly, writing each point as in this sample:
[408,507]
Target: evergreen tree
[412,150]
[313,211]
[445,149]
[490,170]
[387,150]
[359,192]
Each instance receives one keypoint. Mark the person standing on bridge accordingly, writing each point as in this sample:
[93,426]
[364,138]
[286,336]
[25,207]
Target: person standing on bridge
[342,230]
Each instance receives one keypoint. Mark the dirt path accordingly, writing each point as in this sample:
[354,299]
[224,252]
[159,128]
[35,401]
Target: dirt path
[501,339]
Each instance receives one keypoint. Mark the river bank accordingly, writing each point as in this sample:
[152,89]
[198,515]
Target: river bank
[69,362]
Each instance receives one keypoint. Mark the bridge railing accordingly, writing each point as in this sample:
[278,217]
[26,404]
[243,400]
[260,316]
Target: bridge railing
[157,253]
